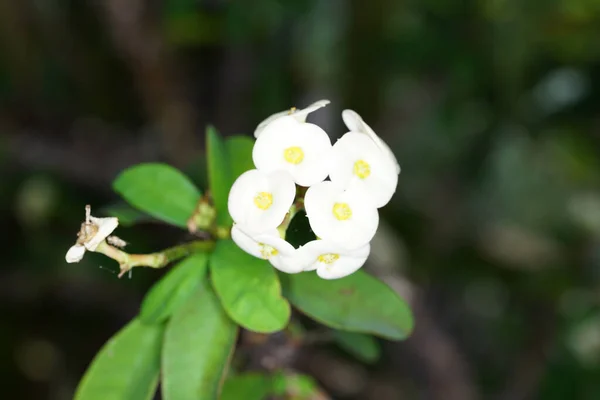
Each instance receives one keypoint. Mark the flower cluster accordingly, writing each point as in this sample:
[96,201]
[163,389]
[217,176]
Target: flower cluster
[342,211]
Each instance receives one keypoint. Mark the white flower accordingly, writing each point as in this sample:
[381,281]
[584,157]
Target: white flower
[259,201]
[268,246]
[299,115]
[355,123]
[93,232]
[300,148]
[345,217]
[332,262]
[357,158]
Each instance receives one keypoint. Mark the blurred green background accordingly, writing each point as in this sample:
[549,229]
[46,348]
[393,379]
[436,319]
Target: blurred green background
[490,106]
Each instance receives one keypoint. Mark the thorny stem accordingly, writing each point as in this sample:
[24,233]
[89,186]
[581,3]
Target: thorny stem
[153,260]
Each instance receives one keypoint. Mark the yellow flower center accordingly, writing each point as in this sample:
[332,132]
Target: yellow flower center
[362,169]
[292,110]
[342,211]
[293,155]
[267,251]
[263,200]
[328,258]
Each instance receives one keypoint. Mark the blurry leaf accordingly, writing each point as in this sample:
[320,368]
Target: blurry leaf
[160,190]
[297,387]
[250,386]
[358,303]
[219,174]
[126,214]
[364,347]
[199,342]
[127,367]
[239,149]
[248,288]
[168,294]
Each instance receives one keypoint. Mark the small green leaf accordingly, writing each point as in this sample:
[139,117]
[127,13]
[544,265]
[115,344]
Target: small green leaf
[126,214]
[127,367]
[248,288]
[160,190]
[364,347]
[168,294]
[219,174]
[199,341]
[358,303]
[296,386]
[249,386]
[239,149]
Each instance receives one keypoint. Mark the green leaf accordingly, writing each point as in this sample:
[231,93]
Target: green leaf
[160,190]
[248,288]
[168,294]
[199,341]
[250,386]
[219,174]
[127,367]
[364,347]
[239,149]
[296,386]
[358,303]
[126,214]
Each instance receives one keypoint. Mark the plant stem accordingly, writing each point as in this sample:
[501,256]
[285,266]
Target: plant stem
[153,260]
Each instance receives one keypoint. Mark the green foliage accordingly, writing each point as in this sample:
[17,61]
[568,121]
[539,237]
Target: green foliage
[160,190]
[168,294]
[239,150]
[199,342]
[295,386]
[127,367]
[219,174]
[357,303]
[227,159]
[202,320]
[248,288]
[126,214]
[250,386]
[364,347]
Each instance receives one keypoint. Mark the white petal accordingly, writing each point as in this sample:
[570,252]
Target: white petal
[288,264]
[75,253]
[285,134]
[299,115]
[245,242]
[355,150]
[106,226]
[320,202]
[333,262]
[262,246]
[355,123]
[242,199]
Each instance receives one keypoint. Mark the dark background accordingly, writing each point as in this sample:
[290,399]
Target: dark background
[490,106]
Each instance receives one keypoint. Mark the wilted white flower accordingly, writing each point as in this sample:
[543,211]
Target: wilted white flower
[268,246]
[300,148]
[259,201]
[299,115]
[331,261]
[343,216]
[93,232]
[75,253]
